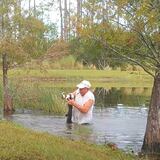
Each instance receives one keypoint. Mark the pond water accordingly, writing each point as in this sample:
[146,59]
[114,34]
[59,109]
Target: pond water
[120,117]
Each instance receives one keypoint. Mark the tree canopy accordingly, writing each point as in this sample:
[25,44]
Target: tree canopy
[23,35]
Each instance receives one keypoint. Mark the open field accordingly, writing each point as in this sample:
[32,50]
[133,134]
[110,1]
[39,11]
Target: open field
[69,78]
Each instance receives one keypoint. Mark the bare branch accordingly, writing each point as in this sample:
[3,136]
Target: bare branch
[134,61]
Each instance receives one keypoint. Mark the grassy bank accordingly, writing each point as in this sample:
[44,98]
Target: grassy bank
[18,143]
[99,78]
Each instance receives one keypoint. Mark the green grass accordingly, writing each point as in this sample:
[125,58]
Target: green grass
[68,78]
[79,73]
[18,143]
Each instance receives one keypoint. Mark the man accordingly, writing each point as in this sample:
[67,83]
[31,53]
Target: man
[82,103]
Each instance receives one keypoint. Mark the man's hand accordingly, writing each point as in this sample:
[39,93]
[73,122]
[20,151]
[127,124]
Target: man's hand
[71,102]
[84,108]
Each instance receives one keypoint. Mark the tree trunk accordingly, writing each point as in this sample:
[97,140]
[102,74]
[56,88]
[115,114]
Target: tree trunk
[79,10]
[17,13]
[61,17]
[69,20]
[7,99]
[1,21]
[65,21]
[151,143]
[34,8]
[29,7]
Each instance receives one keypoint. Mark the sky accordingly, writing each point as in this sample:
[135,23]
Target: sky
[53,12]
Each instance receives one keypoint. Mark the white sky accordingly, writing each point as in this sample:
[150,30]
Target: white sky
[52,15]
[54,11]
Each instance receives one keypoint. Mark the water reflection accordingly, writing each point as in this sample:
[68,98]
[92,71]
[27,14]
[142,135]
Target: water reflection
[127,96]
[80,132]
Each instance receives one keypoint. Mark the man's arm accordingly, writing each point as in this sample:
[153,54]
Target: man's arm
[85,108]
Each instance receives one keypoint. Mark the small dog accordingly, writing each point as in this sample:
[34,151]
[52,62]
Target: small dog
[68,96]
[69,113]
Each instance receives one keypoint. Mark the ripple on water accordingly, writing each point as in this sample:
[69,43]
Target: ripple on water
[123,126]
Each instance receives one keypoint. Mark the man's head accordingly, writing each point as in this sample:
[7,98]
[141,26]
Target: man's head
[83,87]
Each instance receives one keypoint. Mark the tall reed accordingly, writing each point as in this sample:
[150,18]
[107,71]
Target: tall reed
[33,96]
